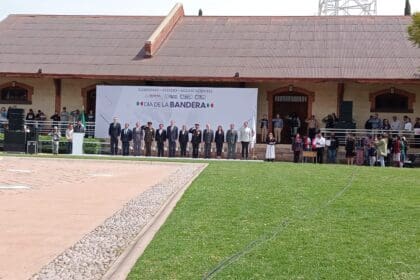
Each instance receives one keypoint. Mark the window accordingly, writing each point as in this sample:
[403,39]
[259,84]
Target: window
[15,93]
[392,101]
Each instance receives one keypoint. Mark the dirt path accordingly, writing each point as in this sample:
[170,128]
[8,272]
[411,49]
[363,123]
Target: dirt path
[66,200]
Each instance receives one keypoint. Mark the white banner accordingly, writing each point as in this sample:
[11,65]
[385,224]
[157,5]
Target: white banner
[184,105]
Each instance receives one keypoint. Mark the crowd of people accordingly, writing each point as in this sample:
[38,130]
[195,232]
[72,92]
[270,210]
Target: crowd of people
[133,139]
[385,144]
[61,120]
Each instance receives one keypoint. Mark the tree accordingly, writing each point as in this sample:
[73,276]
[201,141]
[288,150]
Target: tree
[414,29]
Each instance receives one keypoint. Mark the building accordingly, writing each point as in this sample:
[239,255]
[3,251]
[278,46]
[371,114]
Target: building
[305,64]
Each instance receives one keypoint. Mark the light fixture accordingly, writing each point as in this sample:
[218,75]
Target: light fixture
[392,90]
[290,88]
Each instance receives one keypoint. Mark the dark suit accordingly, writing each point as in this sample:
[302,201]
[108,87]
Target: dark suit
[208,137]
[160,138]
[183,141]
[126,137]
[172,134]
[219,138]
[231,139]
[195,140]
[114,132]
[149,136]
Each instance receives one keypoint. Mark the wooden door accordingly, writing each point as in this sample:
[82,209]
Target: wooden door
[90,100]
[285,105]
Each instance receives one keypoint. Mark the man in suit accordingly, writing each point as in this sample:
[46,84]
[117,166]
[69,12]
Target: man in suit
[114,132]
[126,137]
[231,139]
[183,140]
[172,134]
[137,138]
[195,139]
[149,136]
[160,138]
[208,137]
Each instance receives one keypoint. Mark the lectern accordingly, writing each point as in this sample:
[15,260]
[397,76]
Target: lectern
[78,143]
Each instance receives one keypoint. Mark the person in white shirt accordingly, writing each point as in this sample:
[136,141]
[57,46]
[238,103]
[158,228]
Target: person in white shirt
[69,137]
[408,126]
[395,124]
[245,136]
[320,145]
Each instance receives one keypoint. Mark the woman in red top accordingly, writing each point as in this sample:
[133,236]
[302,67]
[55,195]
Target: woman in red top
[396,151]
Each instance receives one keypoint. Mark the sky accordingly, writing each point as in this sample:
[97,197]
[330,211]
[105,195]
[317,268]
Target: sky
[191,7]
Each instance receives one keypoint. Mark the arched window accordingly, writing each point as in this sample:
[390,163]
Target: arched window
[392,100]
[15,93]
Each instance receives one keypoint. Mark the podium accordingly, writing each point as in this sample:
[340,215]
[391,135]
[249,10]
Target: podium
[78,143]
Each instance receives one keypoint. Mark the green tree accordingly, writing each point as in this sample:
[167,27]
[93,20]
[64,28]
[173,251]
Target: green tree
[414,29]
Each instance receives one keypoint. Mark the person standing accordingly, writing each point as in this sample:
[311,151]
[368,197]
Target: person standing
[90,126]
[319,145]
[313,126]
[172,134]
[381,144]
[137,138]
[55,119]
[183,140]
[332,148]
[396,151]
[395,124]
[196,139]
[350,149]
[160,138]
[294,124]
[270,152]
[30,116]
[208,138]
[126,137]
[231,139]
[69,137]
[417,133]
[245,136]
[297,147]
[114,132]
[64,120]
[264,128]
[149,136]
[79,128]
[408,126]
[55,137]
[219,138]
[278,124]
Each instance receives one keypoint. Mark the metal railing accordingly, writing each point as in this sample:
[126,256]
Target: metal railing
[361,134]
[46,127]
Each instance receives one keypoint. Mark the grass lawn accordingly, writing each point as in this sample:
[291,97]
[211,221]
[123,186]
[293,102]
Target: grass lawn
[290,221]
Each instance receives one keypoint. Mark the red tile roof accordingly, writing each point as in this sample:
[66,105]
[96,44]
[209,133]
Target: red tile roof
[352,47]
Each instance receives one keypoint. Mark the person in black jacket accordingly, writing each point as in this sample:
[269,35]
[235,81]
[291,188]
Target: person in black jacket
[126,137]
[172,134]
[195,139]
[183,140]
[114,132]
[219,138]
[160,138]
[332,148]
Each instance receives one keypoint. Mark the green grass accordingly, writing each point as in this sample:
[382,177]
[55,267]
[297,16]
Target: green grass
[286,221]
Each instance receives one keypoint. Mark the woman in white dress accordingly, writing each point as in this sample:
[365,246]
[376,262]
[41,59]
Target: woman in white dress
[270,153]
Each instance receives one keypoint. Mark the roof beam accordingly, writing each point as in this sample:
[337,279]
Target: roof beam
[163,30]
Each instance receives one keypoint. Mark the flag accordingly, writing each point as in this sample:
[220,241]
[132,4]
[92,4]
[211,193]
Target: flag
[82,117]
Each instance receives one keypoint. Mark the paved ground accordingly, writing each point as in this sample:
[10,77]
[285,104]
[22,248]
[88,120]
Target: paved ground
[66,200]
